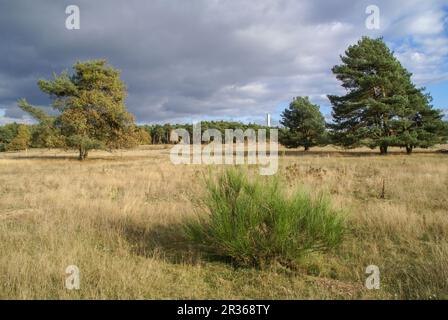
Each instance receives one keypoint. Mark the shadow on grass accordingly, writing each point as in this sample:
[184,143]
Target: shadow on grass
[75,159]
[168,242]
[287,153]
[346,153]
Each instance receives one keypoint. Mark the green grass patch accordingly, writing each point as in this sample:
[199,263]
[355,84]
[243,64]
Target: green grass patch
[254,222]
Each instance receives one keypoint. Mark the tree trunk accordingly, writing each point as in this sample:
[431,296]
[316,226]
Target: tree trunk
[383,150]
[409,149]
[82,153]
[307,148]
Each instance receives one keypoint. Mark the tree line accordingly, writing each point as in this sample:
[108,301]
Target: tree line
[160,134]
[16,137]
[381,108]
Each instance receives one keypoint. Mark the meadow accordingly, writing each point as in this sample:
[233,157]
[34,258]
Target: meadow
[118,217]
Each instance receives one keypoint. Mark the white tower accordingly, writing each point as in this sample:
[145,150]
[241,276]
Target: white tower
[268,119]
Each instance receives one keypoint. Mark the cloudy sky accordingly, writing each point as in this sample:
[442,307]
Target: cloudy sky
[187,60]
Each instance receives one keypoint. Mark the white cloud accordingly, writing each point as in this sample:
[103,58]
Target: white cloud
[427,23]
[5,120]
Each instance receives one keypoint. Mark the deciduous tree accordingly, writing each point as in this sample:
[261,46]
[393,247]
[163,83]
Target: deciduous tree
[21,141]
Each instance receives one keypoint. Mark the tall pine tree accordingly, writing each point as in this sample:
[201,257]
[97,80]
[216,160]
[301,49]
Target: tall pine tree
[382,107]
[304,124]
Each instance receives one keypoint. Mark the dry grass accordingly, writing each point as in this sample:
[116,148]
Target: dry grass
[117,217]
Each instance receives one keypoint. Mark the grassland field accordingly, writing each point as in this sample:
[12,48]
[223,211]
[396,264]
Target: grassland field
[118,217]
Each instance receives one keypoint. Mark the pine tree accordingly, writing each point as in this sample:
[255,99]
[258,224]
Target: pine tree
[91,106]
[304,124]
[421,125]
[382,106]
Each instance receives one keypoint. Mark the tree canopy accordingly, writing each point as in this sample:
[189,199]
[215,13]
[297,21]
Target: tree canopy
[7,134]
[304,124]
[92,114]
[22,140]
[382,107]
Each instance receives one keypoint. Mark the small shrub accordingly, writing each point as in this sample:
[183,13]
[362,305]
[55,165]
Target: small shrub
[253,222]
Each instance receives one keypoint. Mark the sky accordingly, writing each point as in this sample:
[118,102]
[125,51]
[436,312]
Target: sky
[192,60]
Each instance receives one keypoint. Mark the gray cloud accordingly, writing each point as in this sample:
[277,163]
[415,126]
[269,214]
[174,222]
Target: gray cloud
[196,59]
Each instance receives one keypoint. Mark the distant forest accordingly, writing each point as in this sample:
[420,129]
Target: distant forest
[30,135]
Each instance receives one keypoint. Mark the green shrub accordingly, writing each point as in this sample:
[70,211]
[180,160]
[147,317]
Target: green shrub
[253,222]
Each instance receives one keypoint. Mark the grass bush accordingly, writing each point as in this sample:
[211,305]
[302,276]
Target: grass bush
[254,222]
